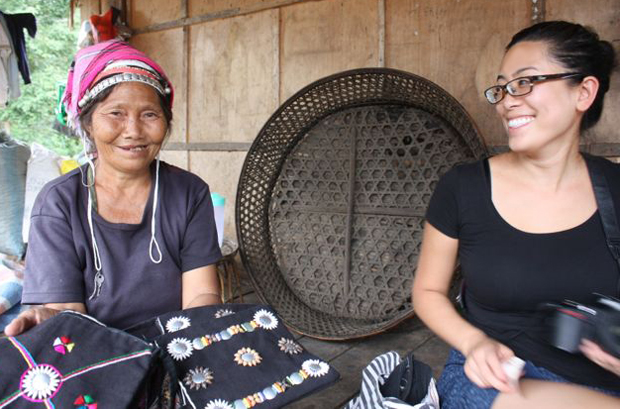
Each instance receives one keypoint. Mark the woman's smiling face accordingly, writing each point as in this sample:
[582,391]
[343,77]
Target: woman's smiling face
[547,116]
[128,127]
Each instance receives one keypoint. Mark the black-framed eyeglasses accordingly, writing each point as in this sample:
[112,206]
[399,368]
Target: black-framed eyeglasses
[522,85]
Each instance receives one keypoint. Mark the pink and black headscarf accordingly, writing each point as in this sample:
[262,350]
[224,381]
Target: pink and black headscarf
[105,64]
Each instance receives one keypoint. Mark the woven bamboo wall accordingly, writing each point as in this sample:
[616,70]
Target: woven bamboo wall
[233,62]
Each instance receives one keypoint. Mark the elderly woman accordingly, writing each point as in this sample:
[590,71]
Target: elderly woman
[527,231]
[126,237]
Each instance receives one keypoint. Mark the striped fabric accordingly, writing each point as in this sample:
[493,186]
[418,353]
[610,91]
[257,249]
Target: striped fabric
[374,375]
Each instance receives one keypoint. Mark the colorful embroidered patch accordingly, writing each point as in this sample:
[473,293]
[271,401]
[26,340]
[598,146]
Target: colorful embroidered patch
[315,368]
[85,402]
[198,378]
[289,346]
[62,345]
[218,404]
[262,319]
[223,313]
[265,319]
[268,393]
[247,357]
[40,382]
[180,348]
[177,323]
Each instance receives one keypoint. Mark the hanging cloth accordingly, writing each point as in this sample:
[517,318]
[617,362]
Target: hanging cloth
[16,23]
[9,72]
[6,50]
[104,28]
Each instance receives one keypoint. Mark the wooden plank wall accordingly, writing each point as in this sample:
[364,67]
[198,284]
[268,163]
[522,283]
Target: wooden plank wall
[233,62]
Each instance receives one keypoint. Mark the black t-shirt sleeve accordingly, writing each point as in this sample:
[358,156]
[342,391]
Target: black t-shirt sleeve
[53,268]
[200,246]
[443,209]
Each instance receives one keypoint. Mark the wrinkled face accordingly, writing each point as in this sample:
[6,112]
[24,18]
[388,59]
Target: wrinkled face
[128,128]
[547,117]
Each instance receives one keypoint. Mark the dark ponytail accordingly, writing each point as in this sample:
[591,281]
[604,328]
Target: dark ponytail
[578,49]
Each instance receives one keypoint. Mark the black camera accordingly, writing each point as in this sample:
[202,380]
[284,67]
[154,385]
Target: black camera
[599,322]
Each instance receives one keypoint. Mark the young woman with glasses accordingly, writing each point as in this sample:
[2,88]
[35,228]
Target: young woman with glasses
[526,230]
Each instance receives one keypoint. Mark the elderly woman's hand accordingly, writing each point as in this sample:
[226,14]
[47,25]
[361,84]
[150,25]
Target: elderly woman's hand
[596,354]
[37,315]
[29,319]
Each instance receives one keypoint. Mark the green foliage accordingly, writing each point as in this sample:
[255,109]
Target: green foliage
[31,116]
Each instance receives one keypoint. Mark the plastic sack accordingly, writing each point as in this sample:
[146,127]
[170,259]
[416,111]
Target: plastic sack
[43,166]
[13,164]
[85,35]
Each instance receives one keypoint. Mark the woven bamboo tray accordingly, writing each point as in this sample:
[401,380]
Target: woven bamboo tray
[333,192]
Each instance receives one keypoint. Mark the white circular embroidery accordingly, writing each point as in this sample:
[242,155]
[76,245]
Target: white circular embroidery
[198,378]
[265,319]
[177,323]
[40,382]
[247,357]
[218,404]
[289,346]
[180,348]
[315,368]
[223,312]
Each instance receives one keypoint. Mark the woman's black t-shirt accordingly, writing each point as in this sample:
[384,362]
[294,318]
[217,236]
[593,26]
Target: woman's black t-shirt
[510,274]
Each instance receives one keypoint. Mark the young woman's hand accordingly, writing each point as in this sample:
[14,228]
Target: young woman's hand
[28,319]
[596,354]
[484,365]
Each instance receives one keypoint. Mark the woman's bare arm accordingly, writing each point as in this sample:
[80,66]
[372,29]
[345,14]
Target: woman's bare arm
[430,299]
[201,286]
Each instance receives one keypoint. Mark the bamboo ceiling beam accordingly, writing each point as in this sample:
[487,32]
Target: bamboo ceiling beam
[238,11]
[208,146]
[606,149]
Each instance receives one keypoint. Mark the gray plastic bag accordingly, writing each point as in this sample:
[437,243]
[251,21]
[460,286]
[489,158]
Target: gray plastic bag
[13,165]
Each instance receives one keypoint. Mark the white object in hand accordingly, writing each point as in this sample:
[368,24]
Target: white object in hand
[513,369]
